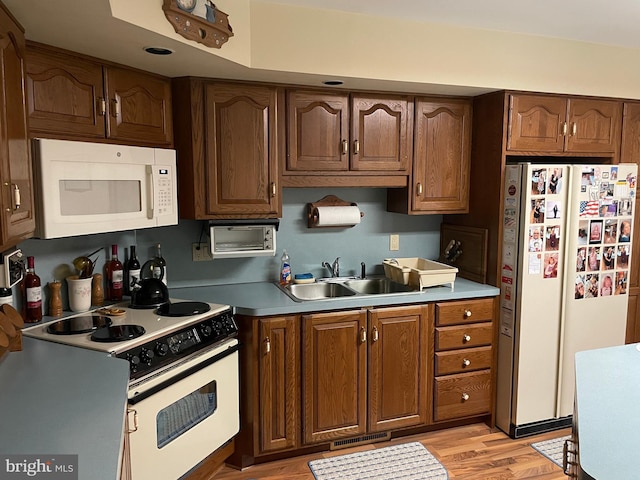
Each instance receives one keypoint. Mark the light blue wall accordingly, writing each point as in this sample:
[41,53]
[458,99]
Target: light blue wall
[367,242]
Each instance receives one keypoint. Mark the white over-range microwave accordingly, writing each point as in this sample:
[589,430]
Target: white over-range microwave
[83,188]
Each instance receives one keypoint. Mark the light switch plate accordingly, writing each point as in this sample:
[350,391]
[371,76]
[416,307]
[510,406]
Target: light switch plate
[394,242]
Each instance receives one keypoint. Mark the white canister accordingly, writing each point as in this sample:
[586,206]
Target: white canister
[79,293]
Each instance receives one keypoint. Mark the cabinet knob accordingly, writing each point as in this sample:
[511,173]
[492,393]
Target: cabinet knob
[363,335]
[466,337]
[273,189]
[465,397]
[374,334]
[466,362]
[356,147]
[564,128]
[345,147]
[574,129]
[467,313]
[419,189]
[267,345]
[115,110]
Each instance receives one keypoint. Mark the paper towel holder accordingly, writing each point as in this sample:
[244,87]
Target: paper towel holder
[328,201]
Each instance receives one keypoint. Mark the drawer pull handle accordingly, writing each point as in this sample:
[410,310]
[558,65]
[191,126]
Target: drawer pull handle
[467,313]
[356,147]
[466,362]
[419,189]
[374,334]
[465,397]
[345,147]
[574,129]
[564,129]
[267,345]
[466,337]
[273,189]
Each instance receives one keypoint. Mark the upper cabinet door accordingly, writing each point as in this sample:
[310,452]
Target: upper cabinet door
[593,126]
[241,150]
[441,156]
[18,221]
[64,95]
[380,133]
[139,107]
[536,123]
[317,131]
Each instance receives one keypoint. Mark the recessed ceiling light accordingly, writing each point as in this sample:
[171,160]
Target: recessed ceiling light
[333,83]
[158,50]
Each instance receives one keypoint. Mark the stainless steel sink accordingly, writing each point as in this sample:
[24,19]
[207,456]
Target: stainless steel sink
[347,287]
[318,291]
[377,286]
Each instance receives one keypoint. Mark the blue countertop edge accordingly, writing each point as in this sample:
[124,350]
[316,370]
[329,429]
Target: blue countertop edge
[58,399]
[262,299]
[607,393]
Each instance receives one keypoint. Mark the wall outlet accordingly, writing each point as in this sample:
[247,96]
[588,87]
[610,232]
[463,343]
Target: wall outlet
[200,252]
[394,242]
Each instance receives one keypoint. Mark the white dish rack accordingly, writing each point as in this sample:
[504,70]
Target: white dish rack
[419,272]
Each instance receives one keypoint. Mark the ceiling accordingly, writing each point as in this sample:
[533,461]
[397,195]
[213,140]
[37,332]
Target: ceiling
[90,29]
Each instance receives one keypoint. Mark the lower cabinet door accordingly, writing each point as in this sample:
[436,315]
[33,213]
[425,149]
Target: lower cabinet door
[462,395]
[334,378]
[397,368]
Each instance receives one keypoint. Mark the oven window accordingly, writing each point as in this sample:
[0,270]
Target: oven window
[185,413]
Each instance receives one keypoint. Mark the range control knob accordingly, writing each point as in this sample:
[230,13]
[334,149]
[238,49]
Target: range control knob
[206,330]
[162,349]
[134,361]
[146,355]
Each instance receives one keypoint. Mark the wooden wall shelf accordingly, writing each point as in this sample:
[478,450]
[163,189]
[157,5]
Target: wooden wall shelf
[198,29]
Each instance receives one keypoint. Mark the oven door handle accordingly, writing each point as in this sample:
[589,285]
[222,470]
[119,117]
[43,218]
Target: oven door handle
[189,371]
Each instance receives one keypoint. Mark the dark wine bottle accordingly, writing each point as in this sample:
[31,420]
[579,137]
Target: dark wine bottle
[33,294]
[133,270]
[160,265]
[115,274]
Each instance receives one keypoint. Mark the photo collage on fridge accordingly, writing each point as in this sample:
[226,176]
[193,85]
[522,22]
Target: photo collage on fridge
[602,259]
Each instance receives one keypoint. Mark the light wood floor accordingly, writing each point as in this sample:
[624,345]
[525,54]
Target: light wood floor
[473,452]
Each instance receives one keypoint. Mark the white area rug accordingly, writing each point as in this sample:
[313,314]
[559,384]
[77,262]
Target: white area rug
[552,449]
[409,461]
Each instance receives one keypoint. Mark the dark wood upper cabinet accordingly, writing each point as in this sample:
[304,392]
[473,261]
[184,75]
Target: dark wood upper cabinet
[441,156]
[16,198]
[227,149]
[366,139]
[549,124]
[80,98]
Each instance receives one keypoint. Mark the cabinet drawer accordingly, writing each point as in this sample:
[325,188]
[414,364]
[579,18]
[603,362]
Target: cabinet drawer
[464,336]
[462,395]
[466,360]
[470,311]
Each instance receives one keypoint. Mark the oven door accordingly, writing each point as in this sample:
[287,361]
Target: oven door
[185,416]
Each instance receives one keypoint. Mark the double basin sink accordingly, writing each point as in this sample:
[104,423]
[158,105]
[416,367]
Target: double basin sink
[349,287]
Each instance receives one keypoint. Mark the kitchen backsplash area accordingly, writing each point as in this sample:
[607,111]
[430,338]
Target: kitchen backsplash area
[308,247]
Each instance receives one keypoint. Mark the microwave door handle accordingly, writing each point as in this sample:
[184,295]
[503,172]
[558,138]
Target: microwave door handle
[151,192]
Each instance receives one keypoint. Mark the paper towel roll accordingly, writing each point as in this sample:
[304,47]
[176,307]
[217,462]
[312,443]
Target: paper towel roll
[335,216]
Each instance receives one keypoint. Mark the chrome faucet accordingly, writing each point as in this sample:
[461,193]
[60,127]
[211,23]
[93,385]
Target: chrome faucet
[334,268]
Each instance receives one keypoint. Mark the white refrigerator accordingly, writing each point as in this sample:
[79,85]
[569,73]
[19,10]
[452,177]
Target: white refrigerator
[565,266]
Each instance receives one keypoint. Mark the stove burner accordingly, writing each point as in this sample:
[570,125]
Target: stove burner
[117,333]
[81,324]
[182,309]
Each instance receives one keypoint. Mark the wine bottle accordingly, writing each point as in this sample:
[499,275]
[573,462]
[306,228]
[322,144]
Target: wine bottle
[160,265]
[133,270]
[33,294]
[115,274]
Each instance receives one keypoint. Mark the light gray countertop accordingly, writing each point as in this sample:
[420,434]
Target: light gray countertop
[607,399]
[57,400]
[264,298]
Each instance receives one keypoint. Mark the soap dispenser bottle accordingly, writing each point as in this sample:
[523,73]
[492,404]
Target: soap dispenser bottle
[285,269]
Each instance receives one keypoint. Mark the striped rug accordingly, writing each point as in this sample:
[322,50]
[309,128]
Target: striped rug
[408,461]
